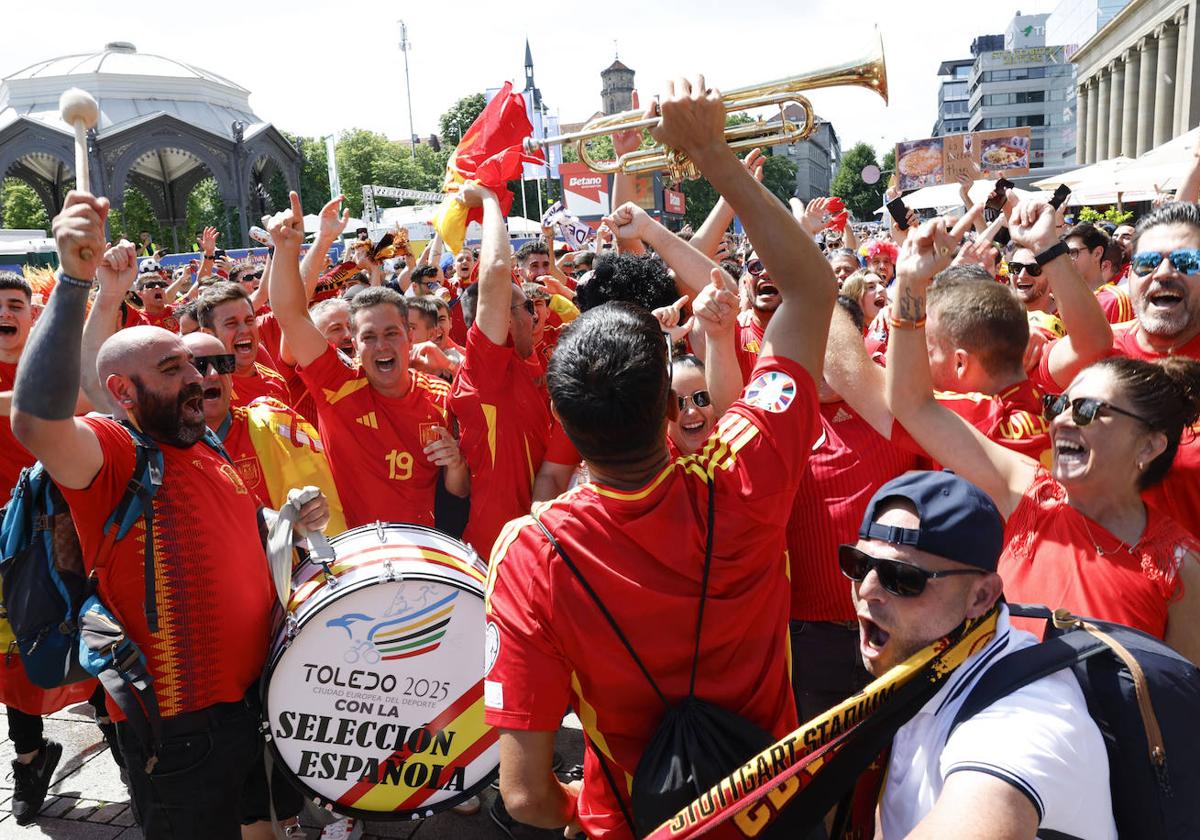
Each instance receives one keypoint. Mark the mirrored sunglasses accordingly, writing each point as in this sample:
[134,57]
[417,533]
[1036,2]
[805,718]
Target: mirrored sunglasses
[1083,409]
[1183,260]
[895,576]
[700,399]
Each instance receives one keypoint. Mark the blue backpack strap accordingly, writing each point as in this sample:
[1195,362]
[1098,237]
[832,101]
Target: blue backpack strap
[1020,668]
[214,443]
[138,503]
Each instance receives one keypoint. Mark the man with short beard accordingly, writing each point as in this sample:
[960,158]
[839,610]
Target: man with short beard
[1087,243]
[844,263]
[1032,286]
[1165,291]
[203,620]
[752,324]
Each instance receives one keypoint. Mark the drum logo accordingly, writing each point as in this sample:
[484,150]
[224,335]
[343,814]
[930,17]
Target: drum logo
[418,629]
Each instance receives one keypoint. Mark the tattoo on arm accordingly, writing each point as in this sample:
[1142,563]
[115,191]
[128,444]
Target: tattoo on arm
[47,383]
[912,306]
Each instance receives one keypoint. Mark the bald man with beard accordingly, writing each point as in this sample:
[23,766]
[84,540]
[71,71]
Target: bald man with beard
[199,607]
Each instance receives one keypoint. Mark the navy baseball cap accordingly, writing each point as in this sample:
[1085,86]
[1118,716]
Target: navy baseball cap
[958,520]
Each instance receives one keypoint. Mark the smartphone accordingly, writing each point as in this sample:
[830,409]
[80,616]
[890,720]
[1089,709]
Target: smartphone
[898,212]
[1060,195]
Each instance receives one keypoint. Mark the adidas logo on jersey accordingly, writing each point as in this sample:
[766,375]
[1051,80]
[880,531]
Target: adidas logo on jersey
[368,420]
[841,416]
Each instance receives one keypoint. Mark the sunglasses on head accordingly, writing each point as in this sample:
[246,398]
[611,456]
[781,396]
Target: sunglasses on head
[1083,409]
[222,363]
[700,399]
[1183,260]
[155,284]
[1032,269]
[756,267]
[895,576]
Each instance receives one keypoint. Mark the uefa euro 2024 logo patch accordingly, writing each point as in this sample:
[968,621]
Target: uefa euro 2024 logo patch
[771,391]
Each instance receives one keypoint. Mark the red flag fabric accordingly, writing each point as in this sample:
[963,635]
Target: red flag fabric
[489,153]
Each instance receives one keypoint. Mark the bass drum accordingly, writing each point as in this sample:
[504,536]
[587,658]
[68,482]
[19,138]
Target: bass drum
[374,689]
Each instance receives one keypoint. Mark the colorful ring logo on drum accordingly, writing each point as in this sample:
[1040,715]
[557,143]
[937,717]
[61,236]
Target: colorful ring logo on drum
[412,633]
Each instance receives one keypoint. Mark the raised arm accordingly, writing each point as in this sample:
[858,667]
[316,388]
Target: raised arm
[851,373]
[692,268]
[116,273]
[262,295]
[1089,336]
[47,383]
[493,314]
[331,226]
[624,186]
[693,120]
[950,440]
[716,309]
[708,238]
[289,300]
[1189,190]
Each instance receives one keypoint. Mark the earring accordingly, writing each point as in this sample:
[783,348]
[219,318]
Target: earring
[1139,466]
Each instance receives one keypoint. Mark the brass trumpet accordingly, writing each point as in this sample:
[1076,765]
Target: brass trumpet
[869,72]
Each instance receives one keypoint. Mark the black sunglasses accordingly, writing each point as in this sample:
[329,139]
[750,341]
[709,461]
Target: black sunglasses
[700,399]
[154,284]
[527,305]
[1032,269]
[250,275]
[1083,409]
[222,363]
[895,576]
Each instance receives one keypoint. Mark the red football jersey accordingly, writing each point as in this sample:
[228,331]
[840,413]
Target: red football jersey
[1115,302]
[270,339]
[504,424]
[749,337]
[642,551]
[265,382]
[1013,418]
[165,319]
[848,463]
[1051,557]
[214,591]
[376,444]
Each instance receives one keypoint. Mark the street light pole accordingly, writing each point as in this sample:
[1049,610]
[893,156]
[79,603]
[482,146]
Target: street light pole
[404,47]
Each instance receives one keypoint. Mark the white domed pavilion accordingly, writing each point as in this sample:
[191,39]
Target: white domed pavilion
[164,127]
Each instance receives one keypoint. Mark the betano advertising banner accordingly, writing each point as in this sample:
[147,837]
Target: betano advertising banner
[939,160]
[585,192]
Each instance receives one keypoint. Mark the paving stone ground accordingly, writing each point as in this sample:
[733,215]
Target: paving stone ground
[87,800]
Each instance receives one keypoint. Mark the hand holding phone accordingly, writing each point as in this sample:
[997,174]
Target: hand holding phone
[898,212]
[1060,195]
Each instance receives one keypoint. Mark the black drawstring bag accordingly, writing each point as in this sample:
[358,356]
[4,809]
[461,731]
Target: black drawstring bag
[696,743]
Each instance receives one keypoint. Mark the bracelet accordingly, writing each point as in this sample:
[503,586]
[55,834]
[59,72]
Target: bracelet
[63,277]
[208,256]
[1052,253]
[900,324]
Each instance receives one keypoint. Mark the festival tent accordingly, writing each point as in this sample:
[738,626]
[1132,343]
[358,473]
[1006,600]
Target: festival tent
[312,223]
[1161,169]
[1095,183]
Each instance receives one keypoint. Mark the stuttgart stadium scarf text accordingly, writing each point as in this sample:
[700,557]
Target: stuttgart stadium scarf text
[814,766]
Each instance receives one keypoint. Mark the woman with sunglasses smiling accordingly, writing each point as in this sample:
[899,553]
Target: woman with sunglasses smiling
[1078,534]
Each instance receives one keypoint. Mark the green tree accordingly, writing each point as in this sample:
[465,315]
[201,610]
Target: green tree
[136,215]
[1109,214]
[862,199]
[455,122]
[22,209]
[204,209]
[779,176]
[888,165]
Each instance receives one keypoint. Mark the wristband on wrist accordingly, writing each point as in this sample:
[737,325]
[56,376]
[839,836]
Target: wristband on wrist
[63,277]
[1052,253]
[901,324]
[208,256]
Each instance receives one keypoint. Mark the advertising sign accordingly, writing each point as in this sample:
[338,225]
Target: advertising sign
[940,160]
[673,202]
[585,192]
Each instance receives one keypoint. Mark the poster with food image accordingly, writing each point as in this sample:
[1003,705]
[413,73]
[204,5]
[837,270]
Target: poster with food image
[1003,151]
[919,163]
[959,158]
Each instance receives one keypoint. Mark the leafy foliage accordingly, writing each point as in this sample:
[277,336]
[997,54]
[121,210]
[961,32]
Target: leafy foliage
[1112,214]
[861,199]
[455,122]
[21,207]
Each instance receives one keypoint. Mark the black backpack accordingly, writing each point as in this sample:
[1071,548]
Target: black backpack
[696,744]
[1145,699]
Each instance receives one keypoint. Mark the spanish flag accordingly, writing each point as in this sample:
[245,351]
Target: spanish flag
[490,154]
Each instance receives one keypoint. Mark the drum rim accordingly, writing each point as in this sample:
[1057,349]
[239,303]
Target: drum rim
[293,778]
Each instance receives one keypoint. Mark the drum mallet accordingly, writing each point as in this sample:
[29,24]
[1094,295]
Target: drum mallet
[79,110]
